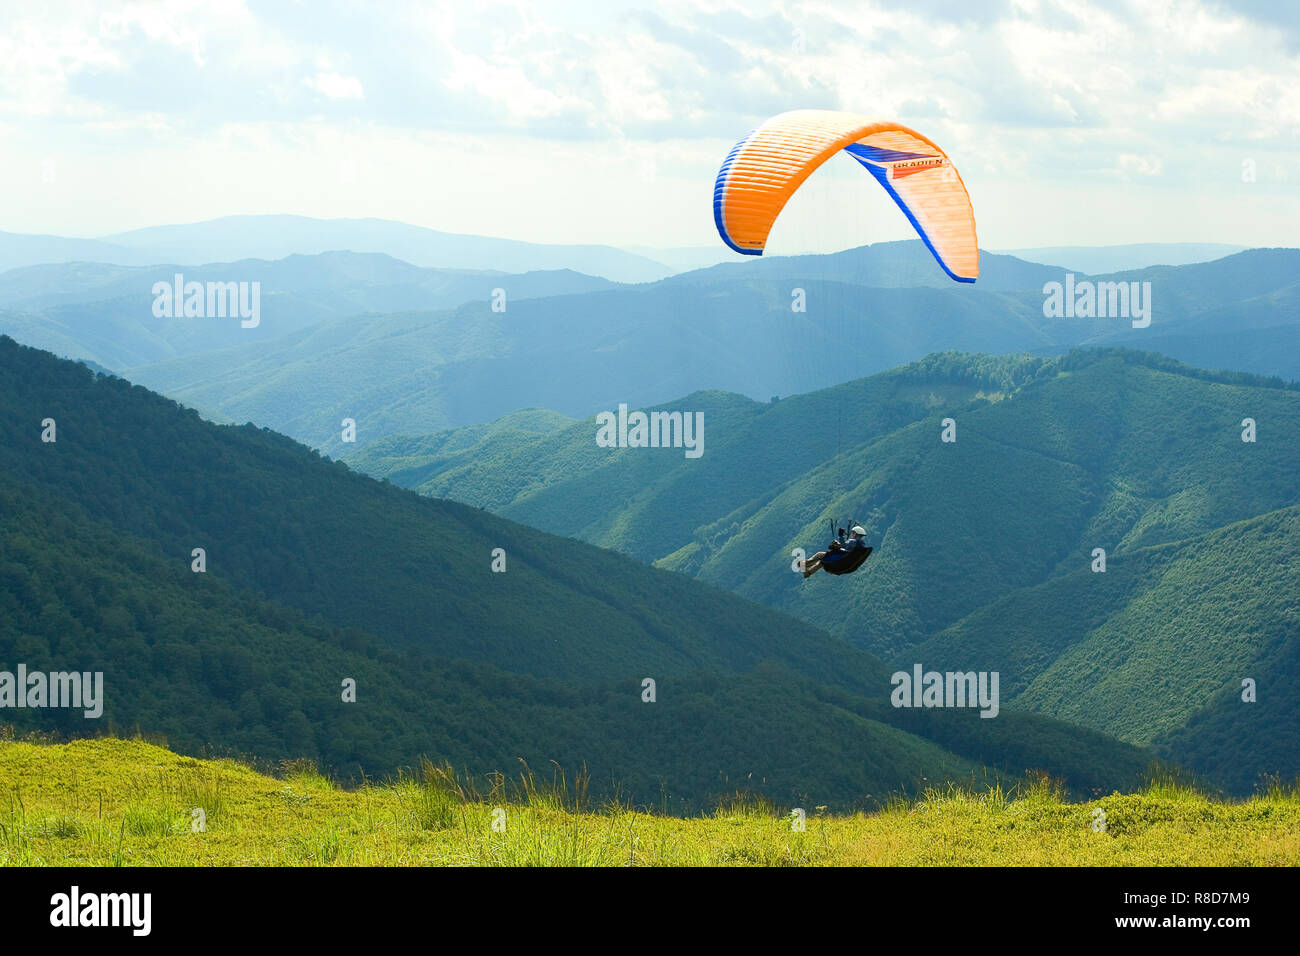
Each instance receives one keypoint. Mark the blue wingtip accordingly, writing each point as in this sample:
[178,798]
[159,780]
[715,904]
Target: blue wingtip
[719,189]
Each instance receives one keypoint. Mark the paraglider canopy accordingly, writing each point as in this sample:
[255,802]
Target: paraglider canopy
[770,163]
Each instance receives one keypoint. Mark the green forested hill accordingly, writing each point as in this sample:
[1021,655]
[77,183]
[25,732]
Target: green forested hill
[984,545]
[214,669]
[418,372]
[576,345]
[1155,650]
[104,313]
[651,504]
[1053,458]
[316,574]
[277,519]
[731,327]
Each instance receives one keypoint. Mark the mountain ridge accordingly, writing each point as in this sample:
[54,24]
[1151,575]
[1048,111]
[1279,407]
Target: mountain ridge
[314,573]
[1052,460]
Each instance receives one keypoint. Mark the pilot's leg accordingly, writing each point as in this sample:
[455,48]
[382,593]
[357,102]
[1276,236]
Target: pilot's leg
[814,564]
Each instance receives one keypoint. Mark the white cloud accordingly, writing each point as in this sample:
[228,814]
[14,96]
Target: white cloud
[336,86]
[561,107]
[1142,165]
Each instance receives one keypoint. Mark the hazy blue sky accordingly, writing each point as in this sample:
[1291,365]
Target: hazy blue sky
[1071,122]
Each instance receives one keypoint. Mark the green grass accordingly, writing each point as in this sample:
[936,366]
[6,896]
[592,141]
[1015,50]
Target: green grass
[115,802]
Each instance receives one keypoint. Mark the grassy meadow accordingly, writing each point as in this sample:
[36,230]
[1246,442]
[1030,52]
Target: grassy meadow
[111,802]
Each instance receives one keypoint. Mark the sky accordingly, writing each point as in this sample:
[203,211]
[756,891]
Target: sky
[1071,123]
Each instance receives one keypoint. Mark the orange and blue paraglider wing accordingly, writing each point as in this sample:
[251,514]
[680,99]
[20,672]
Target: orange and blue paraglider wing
[771,162]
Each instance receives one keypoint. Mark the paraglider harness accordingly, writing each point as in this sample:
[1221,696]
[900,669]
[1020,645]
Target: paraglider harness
[839,561]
